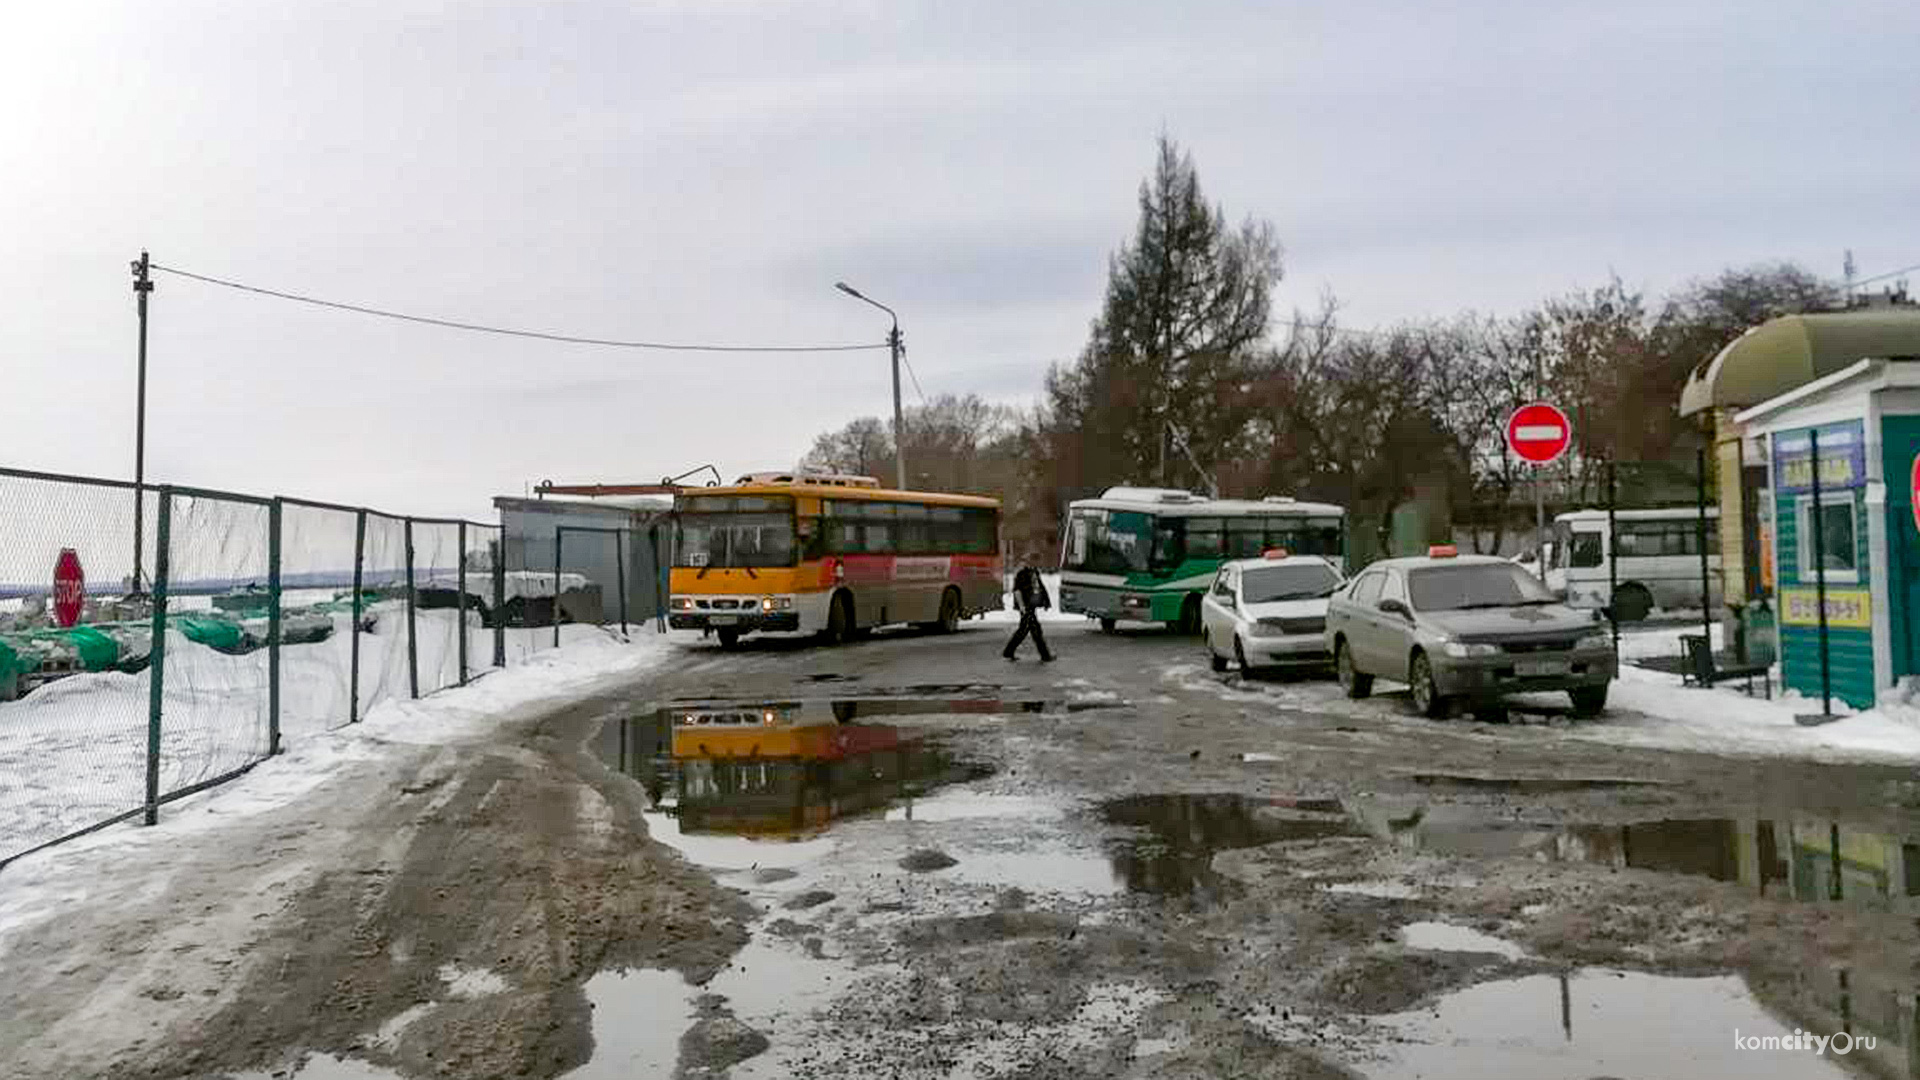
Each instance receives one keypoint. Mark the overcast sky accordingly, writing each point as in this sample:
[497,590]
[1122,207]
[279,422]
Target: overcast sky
[704,171]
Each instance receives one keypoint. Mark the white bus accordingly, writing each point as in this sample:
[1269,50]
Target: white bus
[1658,553]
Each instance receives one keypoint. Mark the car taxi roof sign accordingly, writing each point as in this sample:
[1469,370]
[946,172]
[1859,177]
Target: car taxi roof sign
[1276,553]
[1442,551]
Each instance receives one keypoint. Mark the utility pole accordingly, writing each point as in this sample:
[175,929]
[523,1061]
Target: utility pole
[899,423]
[142,285]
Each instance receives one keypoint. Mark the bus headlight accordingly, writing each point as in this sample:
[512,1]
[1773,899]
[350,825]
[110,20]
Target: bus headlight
[683,603]
[1135,602]
[776,603]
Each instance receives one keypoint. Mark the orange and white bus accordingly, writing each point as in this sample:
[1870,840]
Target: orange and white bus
[834,555]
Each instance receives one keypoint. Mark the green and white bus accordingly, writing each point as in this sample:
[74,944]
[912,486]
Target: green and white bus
[1147,554]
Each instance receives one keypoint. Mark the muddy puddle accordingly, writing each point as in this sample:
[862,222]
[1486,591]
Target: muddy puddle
[1797,857]
[722,773]
[1599,1023]
[1170,840]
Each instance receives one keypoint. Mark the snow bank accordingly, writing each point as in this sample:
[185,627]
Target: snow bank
[1652,709]
[73,753]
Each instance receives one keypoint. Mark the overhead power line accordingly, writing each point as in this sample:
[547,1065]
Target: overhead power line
[1857,282]
[542,335]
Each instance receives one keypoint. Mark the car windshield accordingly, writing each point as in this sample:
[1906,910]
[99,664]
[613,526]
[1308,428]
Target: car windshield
[1306,581]
[1474,585]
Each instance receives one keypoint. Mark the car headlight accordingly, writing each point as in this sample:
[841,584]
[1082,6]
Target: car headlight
[1263,630]
[1601,640]
[1462,649]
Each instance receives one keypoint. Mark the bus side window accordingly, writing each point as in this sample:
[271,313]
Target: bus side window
[1206,538]
[1168,549]
[1586,550]
[1246,538]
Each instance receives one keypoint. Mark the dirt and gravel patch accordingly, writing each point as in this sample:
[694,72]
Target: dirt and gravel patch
[520,858]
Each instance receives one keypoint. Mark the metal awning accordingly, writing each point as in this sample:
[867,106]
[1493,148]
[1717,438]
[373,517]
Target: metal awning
[1794,350]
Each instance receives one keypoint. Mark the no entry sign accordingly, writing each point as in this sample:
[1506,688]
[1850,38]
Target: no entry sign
[69,588]
[1538,433]
[1914,485]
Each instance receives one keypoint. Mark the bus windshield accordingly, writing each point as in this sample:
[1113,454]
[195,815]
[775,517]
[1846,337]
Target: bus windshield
[735,531]
[1108,542]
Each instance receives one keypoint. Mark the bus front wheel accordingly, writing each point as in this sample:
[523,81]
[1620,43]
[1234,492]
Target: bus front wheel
[1189,620]
[729,638]
[1107,625]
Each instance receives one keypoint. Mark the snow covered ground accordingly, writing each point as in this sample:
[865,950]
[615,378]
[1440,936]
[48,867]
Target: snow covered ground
[38,885]
[73,753]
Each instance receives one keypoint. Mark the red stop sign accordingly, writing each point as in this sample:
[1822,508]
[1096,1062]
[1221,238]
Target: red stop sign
[1538,433]
[69,587]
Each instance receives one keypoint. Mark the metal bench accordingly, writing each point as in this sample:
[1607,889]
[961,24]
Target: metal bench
[1703,670]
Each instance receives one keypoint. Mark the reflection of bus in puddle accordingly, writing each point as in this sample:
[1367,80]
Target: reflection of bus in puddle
[778,769]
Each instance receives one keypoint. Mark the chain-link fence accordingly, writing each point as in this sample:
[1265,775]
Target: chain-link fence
[127,682]
[69,761]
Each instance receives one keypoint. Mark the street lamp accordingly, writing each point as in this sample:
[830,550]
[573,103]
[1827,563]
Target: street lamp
[893,343]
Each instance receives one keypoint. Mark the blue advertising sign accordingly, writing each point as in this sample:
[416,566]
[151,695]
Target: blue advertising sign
[1843,459]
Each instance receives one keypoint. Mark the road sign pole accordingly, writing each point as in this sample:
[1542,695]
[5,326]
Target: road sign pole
[1538,433]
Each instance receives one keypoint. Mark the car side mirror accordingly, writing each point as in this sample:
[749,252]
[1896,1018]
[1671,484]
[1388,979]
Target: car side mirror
[1397,607]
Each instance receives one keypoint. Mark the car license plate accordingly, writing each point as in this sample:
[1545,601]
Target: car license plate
[723,620]
[1533,669]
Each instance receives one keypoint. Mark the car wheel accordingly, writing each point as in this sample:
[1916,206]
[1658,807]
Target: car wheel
[1491,714]
[1632,602]
[1351,680]
[1240,658]
[1214,659]
[1426,693]
[1588,701]
[1107,625]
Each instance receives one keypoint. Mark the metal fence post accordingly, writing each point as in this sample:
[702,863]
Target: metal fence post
[500,599]
[413,638]
[624,540]
[157,654]
[353,664]
[1820,576]
[661,580]
[1613,559]
[1700,527]
[461,572]
[559,533]
[273,628]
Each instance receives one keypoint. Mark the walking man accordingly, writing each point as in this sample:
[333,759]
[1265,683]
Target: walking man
[1029,596]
